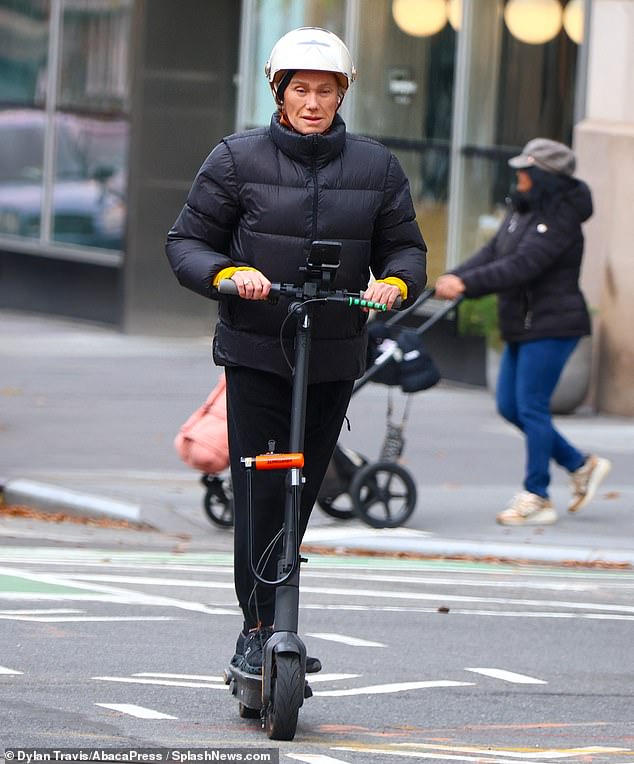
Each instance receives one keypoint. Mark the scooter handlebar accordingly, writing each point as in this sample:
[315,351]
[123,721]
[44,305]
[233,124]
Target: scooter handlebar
[229,287]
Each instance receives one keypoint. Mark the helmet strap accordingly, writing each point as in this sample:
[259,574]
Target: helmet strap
[283,84]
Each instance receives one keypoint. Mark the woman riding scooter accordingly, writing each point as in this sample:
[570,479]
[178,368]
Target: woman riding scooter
[259,200]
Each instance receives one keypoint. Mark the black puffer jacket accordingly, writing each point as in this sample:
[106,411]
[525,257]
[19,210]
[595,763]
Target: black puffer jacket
[260,199]
[533,263]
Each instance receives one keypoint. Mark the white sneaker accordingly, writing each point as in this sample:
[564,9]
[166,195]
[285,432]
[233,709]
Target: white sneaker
[585,481]
[528,509]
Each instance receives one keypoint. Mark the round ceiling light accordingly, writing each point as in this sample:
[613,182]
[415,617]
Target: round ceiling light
[533,21]
[574,20]
[420,18]
[454,13]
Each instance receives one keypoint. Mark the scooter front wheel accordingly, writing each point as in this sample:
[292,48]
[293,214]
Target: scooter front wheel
[383,494]
[287,696]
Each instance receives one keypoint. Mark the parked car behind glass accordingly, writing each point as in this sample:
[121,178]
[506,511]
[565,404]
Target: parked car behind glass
[88,198]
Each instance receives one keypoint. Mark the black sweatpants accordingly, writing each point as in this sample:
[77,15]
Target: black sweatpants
[258,410]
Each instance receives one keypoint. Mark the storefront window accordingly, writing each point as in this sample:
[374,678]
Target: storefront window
[266,21]
[515,91]
[403,97]
[64,105]
[23,64]
[452,87]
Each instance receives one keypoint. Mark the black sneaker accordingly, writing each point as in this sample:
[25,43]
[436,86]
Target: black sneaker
[254,665]
[313,665]
[253,653]
[237,656]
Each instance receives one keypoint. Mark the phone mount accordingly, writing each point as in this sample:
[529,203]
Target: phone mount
[322,263]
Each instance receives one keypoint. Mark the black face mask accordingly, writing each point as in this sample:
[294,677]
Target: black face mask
[545,189]
[520,201]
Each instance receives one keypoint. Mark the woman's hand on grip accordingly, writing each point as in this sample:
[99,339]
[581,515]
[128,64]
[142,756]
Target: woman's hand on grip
[252,285]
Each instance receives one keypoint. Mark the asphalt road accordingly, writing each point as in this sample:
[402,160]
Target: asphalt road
[431,660]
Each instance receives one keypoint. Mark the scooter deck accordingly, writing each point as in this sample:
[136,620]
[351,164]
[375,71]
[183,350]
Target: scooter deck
[246,688]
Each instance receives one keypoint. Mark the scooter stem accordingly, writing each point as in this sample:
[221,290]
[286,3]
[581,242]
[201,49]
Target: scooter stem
[287,595]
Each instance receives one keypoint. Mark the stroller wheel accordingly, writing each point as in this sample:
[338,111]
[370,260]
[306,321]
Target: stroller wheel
[218,501]
[339,506]
[383,494]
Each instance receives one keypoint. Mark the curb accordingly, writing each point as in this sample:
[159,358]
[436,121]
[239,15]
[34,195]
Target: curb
[50,498]
[390,542]
[407,545]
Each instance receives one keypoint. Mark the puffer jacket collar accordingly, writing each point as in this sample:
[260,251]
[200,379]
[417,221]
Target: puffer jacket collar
[579,198]
[308,149]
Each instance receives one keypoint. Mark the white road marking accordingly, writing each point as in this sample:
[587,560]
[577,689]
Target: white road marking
[471,611]
[162,682]
[507,676]
[344,592]
[541,755]
[113,595]
[383,689]
[83,618]
[41,611]
[435,756]
[316,678]
[100,593]
[125,598]
[353,641]
[146,580]
[9,672]
[534,756]
[482,754]
[200,680]
[444,598]
[139,711]
[311,758]
[198,677]
[432,580]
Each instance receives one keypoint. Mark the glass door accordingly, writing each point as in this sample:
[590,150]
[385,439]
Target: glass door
[453,87]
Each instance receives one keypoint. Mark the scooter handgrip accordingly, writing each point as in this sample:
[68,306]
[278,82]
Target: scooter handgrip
[228,286]
[359,302]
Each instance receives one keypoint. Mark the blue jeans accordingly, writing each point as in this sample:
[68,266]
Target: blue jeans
[529,372]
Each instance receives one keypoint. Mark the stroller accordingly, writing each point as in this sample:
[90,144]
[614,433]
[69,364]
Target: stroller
[382,493]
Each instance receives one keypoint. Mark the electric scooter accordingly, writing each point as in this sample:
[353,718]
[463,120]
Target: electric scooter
[382,493]
[279,692]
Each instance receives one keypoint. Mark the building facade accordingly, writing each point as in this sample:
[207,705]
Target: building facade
[108,107]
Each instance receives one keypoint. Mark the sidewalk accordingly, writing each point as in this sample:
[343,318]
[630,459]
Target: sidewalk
[92,414]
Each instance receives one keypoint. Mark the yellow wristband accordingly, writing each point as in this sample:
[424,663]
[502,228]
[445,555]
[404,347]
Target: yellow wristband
[395,281]
[227,273]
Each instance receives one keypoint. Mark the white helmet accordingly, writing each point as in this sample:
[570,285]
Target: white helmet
[310,48]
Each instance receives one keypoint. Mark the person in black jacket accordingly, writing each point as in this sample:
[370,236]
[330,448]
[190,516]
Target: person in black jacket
[533,264]
[259,200]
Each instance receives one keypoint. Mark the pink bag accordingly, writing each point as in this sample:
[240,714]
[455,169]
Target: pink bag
[202,440]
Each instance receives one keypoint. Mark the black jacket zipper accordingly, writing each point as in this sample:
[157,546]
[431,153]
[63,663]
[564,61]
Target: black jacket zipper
[315,189]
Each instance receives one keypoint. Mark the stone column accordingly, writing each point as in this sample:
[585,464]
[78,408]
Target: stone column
[604,142]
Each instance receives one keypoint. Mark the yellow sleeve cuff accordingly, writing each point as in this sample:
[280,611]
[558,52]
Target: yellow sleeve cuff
[227,273]
[395,281]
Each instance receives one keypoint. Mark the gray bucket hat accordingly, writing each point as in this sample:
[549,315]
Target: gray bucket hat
[548,155]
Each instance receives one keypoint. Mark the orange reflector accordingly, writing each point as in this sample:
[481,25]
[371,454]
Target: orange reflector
[278,461]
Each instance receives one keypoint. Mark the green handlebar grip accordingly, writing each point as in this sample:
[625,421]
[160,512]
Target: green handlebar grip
[361,303]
